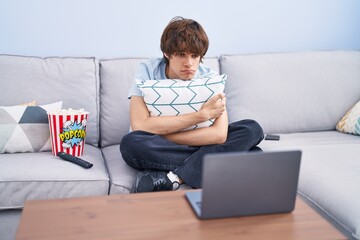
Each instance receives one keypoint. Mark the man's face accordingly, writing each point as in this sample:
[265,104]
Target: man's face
[182,66]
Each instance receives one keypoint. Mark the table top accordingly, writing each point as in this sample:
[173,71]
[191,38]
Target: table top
[160,215]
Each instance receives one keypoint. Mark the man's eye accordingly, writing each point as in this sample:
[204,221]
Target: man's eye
[195,56]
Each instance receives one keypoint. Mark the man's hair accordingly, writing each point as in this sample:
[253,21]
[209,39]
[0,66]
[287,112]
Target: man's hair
[184,35]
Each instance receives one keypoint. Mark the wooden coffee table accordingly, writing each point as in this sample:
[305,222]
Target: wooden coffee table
[161,215]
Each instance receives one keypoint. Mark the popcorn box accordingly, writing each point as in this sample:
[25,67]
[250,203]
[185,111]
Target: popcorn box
[68,131]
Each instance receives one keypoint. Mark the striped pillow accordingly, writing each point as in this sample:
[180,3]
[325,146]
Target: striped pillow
[172,97]
[350,123]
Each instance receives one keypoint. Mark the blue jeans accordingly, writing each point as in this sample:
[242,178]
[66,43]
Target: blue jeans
[143,150]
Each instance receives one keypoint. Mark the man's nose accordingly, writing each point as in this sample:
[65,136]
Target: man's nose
[189,62]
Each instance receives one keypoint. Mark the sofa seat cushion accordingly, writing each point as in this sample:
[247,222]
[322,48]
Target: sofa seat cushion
[330,181]
[305,139]
[121,175]
[329,175]
[28,176]
[9,220]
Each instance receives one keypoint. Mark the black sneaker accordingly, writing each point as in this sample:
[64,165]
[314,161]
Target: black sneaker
[150,181]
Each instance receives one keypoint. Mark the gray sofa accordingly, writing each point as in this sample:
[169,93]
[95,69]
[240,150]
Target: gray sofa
[300,95]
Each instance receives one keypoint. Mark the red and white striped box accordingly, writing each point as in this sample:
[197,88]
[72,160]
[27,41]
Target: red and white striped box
[68,131]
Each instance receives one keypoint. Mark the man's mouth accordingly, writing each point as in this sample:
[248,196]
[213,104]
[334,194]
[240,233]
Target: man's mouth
[188,71]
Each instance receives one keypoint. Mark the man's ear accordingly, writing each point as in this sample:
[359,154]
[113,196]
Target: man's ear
[165,55]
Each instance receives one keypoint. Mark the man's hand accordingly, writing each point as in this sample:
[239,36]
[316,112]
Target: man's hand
[215,106]
[215,134]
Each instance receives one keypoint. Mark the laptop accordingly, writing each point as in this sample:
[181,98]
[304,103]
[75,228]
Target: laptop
[246,183]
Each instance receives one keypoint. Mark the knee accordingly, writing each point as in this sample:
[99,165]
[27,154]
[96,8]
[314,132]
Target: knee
[256,129]
[126,143]
[130,148]
[131,142]
[126,150]
[251,128]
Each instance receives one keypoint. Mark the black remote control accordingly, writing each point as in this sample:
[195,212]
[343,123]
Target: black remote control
[272,137]
[76,160]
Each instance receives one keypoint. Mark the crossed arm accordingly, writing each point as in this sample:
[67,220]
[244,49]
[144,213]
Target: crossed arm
[169,126]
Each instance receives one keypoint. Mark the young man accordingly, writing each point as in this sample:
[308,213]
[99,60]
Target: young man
[168,156]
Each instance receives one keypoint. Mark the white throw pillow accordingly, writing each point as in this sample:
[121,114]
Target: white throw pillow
[172,97]
[25,128]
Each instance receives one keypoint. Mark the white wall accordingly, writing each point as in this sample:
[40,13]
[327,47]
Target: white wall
[117,28]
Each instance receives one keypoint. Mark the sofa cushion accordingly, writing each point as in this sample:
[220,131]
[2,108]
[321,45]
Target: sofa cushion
[117,76]
[9,220]
[25,128]
[50,177]
[121,175]
[299,140]
[172,97]
[329,180]
[328,175]
[350,123]
[71,80]
[292,92]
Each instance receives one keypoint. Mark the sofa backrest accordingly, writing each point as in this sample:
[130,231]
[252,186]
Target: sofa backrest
[292,92]
[46,80]
[116,77]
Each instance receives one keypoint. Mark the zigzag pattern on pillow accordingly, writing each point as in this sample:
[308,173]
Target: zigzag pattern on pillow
[172,97]
[350,123]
